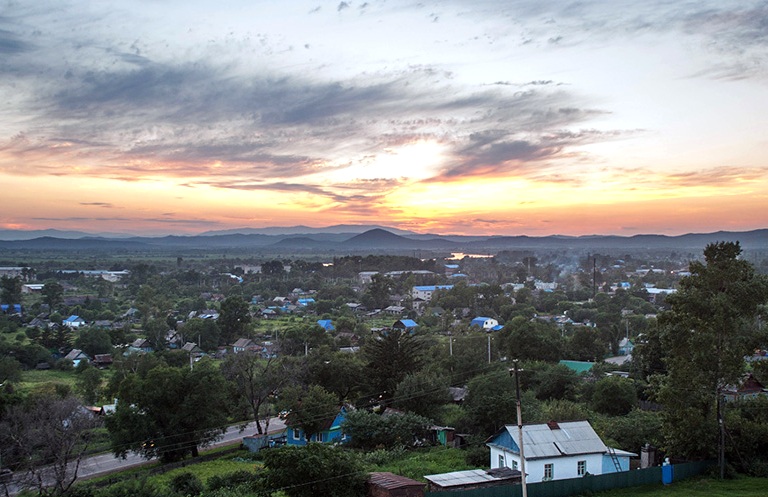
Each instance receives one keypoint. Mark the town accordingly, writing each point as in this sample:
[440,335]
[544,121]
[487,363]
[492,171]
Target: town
[359,360]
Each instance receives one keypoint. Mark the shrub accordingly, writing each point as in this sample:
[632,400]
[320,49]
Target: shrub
[187,484]
[231,480]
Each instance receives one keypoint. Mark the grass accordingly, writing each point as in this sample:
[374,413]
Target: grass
[205,470]
[416,464]
[697,487]
[35,379]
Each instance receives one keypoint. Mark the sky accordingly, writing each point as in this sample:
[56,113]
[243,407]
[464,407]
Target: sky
[482,117]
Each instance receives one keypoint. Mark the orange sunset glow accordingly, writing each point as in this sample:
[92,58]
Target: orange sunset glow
[497,117]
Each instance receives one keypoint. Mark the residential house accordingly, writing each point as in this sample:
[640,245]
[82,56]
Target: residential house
[141,345]
[242,345]
[326,324]
[102,361]
[556,451]
[426,292]
[626,346]
[11,309]
[748,388]
[73,322]
[394,310]
[330,433]
[487,324]
[77,356]
[408,325]
[192,349]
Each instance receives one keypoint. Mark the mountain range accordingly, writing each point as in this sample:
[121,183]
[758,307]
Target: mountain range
[362,238]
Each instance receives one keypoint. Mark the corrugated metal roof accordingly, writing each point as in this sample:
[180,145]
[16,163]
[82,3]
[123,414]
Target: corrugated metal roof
[566,439]
[459,478]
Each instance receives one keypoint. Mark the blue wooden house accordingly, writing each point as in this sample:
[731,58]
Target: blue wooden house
[331,432]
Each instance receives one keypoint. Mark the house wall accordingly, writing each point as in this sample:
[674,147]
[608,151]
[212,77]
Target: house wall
[563,467]
[609,467]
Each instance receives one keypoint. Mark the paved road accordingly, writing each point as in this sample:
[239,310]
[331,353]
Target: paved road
[107,463]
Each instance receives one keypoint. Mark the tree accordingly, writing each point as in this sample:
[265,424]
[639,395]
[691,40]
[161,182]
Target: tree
[169,412]
[315,469]
[709,329]
[532,340]
[390,358]
[53,294]
[45,440]
[89,384]
[10,290]
[614,395]
[234,319]
[10,370]
[93,341]
[368,430]
[585,345]
[337,372]
[204,332]
[310,407]
[550,381]
[255,381]
[422,393]
[490,402]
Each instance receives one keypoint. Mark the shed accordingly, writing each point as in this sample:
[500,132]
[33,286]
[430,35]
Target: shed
[383,484]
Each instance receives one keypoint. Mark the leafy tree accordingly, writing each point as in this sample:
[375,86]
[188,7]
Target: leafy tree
[369,430]
[204,332]
[491,402]
[390,358]
[10,290]
[53,294]
[169,412]
[93,341]
[89,384]
[338,372]
[234,319]
[315,469]
[255,381]
[632,430]
[586,345]
[422,393]
[550,381]
[614,395]
[310,407]
[377,293]
[709,329]
[10,370]
[44,442]
[528,340]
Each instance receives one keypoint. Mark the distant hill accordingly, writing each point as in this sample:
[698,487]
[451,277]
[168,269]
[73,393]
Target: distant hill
[306,230]
[380,239]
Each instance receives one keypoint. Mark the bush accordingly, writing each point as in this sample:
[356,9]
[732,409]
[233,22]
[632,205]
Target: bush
[187,484]
[132,488]
[237,478]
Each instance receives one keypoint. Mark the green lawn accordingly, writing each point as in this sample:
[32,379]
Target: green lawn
[698,487]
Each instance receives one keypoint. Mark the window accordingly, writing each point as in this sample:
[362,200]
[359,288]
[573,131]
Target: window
[548,471]
[581,468]
[296,434]
[501,460]
[514,464]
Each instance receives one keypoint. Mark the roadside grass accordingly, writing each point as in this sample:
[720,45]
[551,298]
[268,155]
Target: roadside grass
[741,486]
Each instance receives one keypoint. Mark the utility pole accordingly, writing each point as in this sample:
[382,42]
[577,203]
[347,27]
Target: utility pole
[489,348]
[520,430]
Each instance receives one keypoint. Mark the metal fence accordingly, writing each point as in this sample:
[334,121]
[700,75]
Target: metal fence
[584,485]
